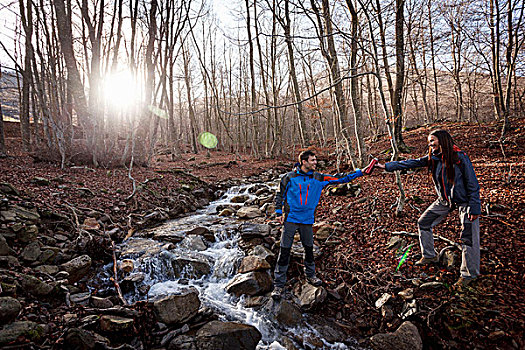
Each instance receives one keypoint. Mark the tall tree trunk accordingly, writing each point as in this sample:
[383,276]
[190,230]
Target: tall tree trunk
[400,75]
[75,82]
[303,127]
[27,23]
[354,83]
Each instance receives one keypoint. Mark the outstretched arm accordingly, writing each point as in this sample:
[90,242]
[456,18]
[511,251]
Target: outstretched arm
[404,164]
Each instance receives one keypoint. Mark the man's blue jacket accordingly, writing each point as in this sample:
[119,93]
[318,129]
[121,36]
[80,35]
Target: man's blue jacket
[299,193]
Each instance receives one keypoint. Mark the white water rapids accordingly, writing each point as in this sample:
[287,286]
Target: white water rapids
[150,261]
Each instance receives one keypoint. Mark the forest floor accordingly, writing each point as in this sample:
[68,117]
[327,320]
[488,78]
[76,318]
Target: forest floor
[356,264]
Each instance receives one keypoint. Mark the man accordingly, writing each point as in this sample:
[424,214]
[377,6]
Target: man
[295,204]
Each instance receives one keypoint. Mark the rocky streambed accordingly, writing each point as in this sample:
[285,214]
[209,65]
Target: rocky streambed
[208,279]
[199,281]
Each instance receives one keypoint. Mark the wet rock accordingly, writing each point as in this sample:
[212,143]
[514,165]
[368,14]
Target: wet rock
[80,298]
[256,301]
[77,268]
[82,339]
[240,198]
[226,212]
[227,335]
[183,342]
[169,236]
[253,263]
[252,283]
[195,243]
[9,309]
[13,331]
[286,312]
[131,282]
[407,293]
[101,303]
[126,265]
[264,253]
[404,338]
[110,323]
[249,212]
[204,232]
[252,230]
[191,265]
[311,296]
[268,208]
[172,334]
[328,329]
[176,309]
[34,286]
[31,252]
[4,247]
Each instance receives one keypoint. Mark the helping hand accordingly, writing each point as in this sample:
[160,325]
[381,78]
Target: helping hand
[380,166]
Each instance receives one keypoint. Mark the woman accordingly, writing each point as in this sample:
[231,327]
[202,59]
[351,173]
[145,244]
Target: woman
[457,187]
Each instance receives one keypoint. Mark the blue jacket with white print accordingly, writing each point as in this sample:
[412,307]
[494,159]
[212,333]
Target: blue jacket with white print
[299,193]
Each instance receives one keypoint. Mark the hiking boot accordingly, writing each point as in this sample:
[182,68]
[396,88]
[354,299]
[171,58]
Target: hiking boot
[427,261]
[314,281]
[277,293]
[463,282]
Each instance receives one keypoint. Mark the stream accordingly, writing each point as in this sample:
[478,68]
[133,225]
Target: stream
[174,257]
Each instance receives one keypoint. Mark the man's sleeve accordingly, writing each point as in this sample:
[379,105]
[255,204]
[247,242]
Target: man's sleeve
[281,193]
[343,180]
[407,164]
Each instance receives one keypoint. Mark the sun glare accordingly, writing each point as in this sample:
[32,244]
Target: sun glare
[121,90]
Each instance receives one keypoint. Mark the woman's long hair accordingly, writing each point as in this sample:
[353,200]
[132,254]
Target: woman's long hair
[449,153]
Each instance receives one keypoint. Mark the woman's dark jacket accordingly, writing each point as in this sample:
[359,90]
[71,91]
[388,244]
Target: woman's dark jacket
[464,190]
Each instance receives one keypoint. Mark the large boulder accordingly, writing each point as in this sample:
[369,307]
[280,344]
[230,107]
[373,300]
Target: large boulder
[4,247]
[263,252]
[252,283]
[252,230]
[176,309]
[77,268]
[31,252]
[311,296]
[287,313]
[34,286]
[253,263]
[227,335]
[82,339]
[14,331]
[406,337]
[111,324]
[249,212]
[189,264]
[9,309]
